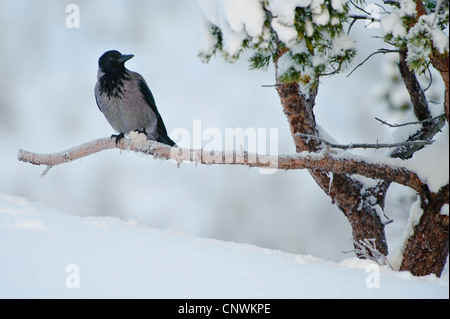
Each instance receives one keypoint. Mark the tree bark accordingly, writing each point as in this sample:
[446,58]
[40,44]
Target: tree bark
[416,94]
[427,249]
[439,61]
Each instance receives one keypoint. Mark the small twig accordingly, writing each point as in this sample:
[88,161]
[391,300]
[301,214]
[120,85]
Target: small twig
[382,38]
[356,17]
[430,80]
[46,170]
[392,2]
[359,8]
[332,72]
[351,25]
[269,85]
[411,123]
[367,249]
[382,51]
[363,17]
[364,145]
[379,5]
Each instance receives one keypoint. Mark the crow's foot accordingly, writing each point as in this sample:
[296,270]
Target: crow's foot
[118,137]
[143,131]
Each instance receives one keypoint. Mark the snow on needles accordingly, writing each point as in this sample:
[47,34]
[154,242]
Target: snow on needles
[392,24]
[236,18]
[422,37]
[230,26]
[284,10]
[239,20]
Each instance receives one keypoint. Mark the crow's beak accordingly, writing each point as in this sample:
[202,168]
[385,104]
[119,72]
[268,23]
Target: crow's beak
[125,57]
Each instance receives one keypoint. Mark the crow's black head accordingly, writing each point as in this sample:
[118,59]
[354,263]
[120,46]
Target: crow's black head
[113,61]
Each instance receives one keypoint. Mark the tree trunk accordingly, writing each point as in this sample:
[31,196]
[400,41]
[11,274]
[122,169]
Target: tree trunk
[427,249]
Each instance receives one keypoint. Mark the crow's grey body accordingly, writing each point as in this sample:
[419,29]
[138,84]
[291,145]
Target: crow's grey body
[126,101]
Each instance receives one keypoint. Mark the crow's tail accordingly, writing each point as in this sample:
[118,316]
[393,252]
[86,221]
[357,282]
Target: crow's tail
[163,138]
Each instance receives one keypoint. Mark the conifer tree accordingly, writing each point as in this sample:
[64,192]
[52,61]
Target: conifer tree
[307,40]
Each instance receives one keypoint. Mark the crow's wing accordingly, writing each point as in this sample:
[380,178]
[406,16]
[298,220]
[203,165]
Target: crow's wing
[150,100]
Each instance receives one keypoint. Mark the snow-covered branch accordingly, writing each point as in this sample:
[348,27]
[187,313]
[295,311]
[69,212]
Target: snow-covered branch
[345,164]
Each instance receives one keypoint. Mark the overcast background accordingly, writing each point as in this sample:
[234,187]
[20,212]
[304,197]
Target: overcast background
[48,73]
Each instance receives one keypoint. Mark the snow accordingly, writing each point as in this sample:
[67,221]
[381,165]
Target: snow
[420,37]
[285,32]
[338,5]
[402,133]
[428,163]
[208,40]
[440,40]
[309,28]
[444,210]
[322,18]
[299,48]
[393,24]
[237,20]
[48,254]
[342,43]
[408,7]
[321,15]
[285,9]
[415,213]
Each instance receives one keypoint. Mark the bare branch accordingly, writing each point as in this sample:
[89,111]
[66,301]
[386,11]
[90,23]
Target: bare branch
[393,171]
[365,145]
[356,17]
[384,9]
[363,17]
[430,81]
[359,7]
[442,116]
[380,51]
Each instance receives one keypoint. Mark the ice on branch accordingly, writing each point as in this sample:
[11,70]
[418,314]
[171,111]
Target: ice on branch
[306,36]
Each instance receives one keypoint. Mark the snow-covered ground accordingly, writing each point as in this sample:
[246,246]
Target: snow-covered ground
[49,254]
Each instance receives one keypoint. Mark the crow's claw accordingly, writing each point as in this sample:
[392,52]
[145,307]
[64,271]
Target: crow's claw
[118,137]
[142,132]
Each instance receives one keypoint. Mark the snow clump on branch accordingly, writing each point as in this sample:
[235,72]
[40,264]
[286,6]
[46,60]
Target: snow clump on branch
[274,30]
[422,34]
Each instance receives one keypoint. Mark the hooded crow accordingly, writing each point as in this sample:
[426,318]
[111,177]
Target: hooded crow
[126,101]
